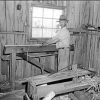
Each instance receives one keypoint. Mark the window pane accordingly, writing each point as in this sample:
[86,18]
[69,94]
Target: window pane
[55,23]
[57,13]
[47,33]
[54,32]
[47,23]
[36,32]
[44,22]
[37,12]
[37,22]
[48,13]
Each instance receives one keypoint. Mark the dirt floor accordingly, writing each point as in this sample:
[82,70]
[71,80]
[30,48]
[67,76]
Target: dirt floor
[17,95]
[77,95]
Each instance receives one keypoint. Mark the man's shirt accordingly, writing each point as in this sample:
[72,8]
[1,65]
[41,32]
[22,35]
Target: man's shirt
[64,38]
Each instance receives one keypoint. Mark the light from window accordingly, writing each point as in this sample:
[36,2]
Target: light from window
[37,12]
[48,13]
[44,22]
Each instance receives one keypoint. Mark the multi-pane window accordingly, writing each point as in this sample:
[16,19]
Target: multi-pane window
[44,22]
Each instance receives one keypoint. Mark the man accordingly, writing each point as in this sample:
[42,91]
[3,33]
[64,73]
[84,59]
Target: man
[62,40]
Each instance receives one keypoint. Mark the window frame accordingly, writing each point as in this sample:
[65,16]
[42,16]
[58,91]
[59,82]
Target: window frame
[30,38]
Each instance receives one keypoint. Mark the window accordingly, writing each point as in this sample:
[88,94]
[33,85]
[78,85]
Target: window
[44,21]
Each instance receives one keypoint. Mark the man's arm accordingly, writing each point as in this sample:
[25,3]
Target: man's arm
[52,40]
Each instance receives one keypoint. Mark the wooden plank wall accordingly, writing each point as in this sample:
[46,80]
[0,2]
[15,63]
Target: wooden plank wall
[87,45]
[87,52]
[78,13]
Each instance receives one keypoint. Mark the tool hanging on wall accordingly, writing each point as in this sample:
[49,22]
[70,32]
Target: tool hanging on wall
[19,7]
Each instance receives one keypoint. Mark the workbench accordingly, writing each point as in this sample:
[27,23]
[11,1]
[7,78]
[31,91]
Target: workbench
[24,52]
[60,82]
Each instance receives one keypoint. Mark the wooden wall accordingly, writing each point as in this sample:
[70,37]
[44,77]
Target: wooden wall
[83,12]
[14,26]
[87,52]
[17,22]
[87,45]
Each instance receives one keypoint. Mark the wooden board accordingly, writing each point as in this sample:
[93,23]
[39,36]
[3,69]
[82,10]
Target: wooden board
[60,88]
[29,48]
[46,78]
[60,76]
[2,16]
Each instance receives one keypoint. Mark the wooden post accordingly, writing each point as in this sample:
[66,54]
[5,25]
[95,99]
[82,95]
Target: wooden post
[32,90]
[12,68]
[0,64]
[56,62]
[2,77]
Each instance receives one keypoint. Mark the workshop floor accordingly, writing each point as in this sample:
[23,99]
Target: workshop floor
[78,95]
[14,96]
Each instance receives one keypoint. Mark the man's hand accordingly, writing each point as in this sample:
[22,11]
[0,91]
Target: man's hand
[48,42]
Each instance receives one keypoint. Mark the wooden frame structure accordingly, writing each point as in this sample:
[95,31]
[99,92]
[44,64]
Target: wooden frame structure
[21,51]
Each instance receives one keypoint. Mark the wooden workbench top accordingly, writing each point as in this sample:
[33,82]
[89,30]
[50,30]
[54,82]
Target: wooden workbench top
[36,48]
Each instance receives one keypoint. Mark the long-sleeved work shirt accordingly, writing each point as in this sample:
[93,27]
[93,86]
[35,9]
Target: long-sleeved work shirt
[62,38]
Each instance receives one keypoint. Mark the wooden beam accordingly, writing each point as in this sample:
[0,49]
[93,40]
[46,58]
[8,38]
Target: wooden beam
[12,68]
[8,57]
[24,80]
[47,78]
[33,61]
[38,48]
[82,30]
[16,32]
[76,30]
[60,88]
[2,77]
[61,76]
[0,59]
[0,63]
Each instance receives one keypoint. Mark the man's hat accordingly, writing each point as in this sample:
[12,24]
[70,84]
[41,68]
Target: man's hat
[62,18]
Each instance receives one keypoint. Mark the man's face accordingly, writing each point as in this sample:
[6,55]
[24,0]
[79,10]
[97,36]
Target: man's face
[62,23]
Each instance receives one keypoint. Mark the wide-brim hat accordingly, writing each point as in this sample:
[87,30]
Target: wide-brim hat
[62,18]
